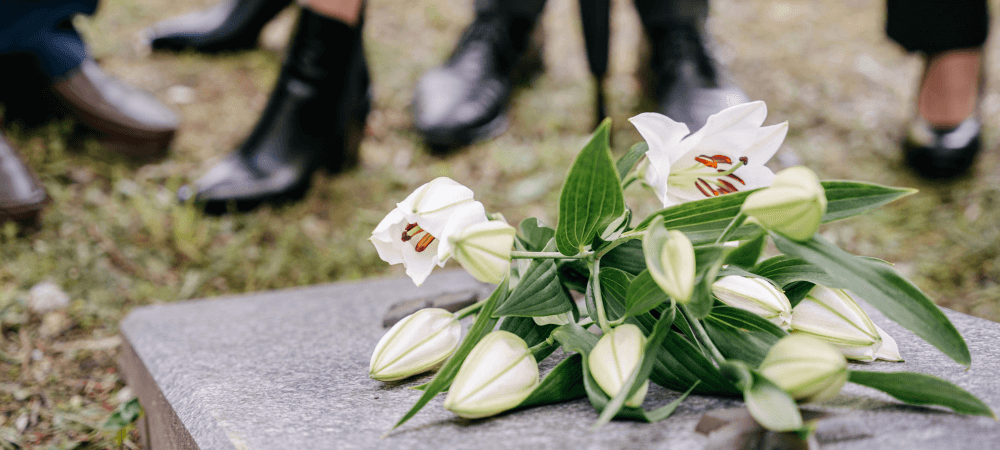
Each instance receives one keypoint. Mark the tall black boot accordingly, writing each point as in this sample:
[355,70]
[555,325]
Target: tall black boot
[229,25]
[314,118]
[465,100]
[690,84]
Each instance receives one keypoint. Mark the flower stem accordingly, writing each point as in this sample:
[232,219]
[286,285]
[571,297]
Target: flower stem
[625,237]
[629,179]
[469,310]
[733,225]
[595,280]
[702,335]
[517,254]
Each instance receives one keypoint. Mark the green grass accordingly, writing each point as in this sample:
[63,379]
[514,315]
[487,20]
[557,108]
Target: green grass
[114,238]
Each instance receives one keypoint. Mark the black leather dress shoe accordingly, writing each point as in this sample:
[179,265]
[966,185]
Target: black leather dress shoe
[126,119]
[21,193]
[314,119]
[691,85]
[940,154]
[228,26]
[465,100]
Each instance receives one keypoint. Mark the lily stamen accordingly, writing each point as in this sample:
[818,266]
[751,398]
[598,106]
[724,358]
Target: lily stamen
[424,243]
[410,231]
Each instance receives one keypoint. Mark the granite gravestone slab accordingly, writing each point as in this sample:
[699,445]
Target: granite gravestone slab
[288,369]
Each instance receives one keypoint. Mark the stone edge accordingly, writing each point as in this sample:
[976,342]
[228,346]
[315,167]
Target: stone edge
[160,426]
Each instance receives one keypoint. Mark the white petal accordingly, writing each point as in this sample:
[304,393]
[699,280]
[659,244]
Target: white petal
[420,264]
[660,132]
[460,217]
[754,177]
[766,143]
[889,350]
[386,237]
[731,130]
[657,177]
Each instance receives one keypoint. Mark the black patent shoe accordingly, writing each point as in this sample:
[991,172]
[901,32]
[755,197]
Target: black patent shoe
[465,100]
[230,25]
[690,84]
[942,153]
[314,119]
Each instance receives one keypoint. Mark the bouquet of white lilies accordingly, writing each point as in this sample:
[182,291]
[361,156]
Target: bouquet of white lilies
[684,298]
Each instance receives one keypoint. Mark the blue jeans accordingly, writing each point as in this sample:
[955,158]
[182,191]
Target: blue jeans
[43,28]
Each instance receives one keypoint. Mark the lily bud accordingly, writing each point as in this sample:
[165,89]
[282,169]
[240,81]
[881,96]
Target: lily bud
[416,344]
[615,229]
[793,205]
[555,319]
[483,249]
[755,295]
[808,369]
[614,358]
[670,259]
[833,316]
[498,375]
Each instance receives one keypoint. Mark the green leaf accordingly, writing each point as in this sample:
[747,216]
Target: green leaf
[884,289]
[922,389]
[627,257]
[850,198]
[742,335]
[679,365]
[643,295]
[797,291]
[614,289]
[703,220]
[708,261]
[574,338]
[592,195]
[539,293]
[535,234]
[641,373]
[442,379]
[632,156]
[749,251]
[123,416]
[563,383]
[784,270]
[532,333]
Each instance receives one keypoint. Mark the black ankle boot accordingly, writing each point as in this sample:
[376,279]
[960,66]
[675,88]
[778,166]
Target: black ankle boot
[229,25]
[691,85]
[465,100]
[314,118]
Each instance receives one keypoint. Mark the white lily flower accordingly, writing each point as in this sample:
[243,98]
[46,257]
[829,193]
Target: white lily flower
[794,204]
[416,232]
[483,249]
[755,295]
[808,369]
[832,315]
[614,358]
[726,155]
[498,375]
[416,344]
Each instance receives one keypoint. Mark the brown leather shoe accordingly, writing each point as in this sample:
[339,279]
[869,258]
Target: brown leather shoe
[126,119]
[21,193]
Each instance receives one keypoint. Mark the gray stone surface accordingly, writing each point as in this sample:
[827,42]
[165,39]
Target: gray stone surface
[288,369]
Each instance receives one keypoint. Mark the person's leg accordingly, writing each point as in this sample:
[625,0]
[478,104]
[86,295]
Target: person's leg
[313,119]
[945,138]
[465,100]
[125,118]
[691,85]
